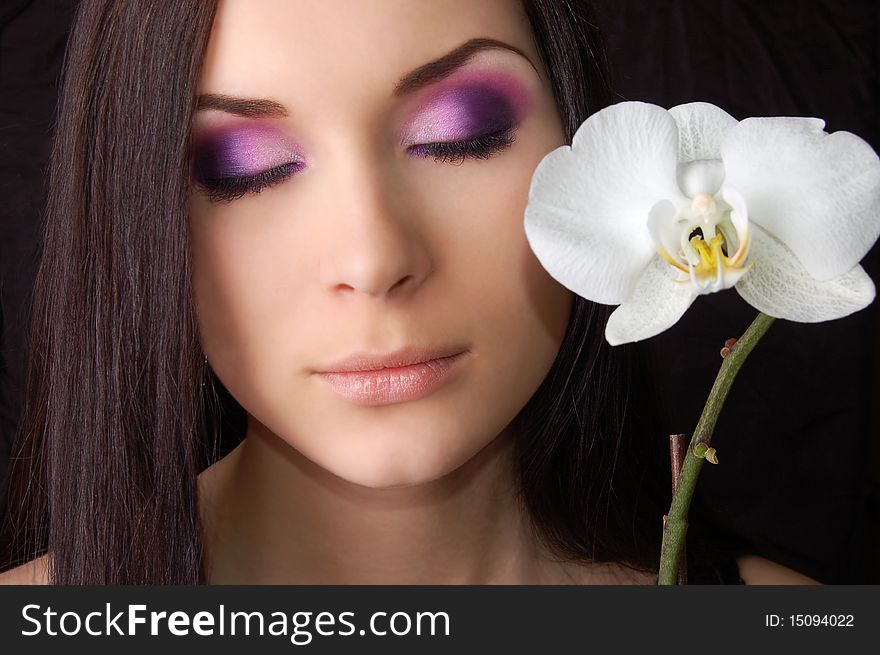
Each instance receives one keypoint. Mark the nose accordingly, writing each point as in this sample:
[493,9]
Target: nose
[376,247]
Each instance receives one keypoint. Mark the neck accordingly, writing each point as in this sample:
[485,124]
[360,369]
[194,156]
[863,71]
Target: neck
[272,515]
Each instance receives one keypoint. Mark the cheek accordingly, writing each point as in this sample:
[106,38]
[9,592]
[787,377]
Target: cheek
[244,277]
[494,261]
[518,312]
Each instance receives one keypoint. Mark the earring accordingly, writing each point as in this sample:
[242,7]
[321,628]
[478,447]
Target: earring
[204,370]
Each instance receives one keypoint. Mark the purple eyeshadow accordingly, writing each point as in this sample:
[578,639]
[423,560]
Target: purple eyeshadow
[240,151]
[477,106]
[468,105]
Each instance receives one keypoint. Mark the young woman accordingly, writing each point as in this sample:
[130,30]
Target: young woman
[320,204]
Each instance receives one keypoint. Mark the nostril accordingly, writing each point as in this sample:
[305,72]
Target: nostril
[400,282]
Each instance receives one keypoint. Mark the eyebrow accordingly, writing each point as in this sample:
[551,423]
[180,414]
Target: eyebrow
[449,63]
[422,76]
[245,107]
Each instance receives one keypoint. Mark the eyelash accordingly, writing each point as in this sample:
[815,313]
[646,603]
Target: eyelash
[455,152]
[227,189]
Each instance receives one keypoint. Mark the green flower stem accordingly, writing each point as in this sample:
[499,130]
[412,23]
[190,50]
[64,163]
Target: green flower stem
[675,524]
[676,457]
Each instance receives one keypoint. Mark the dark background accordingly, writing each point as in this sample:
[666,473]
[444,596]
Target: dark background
[799,440]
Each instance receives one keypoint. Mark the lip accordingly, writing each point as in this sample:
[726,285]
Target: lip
[384,379]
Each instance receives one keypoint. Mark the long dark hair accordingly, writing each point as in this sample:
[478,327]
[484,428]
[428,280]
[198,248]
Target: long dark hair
[114,425]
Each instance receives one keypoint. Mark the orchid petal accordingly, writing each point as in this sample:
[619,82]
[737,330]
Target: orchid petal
[818,193]
[701,129]
[588,202]
[656,304]
[779,286]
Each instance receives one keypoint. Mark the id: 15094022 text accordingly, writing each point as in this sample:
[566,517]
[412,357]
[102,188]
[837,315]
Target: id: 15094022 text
[809,621]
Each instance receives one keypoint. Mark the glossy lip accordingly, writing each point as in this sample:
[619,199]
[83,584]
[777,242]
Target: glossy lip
[406,374]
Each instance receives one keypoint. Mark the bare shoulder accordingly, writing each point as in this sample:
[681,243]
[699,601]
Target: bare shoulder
[34,572]
[757,570]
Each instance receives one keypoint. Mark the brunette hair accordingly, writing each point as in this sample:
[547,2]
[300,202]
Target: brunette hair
[114,433]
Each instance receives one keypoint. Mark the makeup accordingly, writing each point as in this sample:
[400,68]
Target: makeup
[473,114]
[397,384]
[241,149]
[468,105]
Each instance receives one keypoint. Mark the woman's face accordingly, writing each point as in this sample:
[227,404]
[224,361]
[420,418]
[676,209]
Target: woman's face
[325,222]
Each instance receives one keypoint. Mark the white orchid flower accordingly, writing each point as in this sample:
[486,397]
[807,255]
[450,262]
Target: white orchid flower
[649,208]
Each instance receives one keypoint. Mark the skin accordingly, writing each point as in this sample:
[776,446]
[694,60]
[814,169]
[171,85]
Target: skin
[371,248]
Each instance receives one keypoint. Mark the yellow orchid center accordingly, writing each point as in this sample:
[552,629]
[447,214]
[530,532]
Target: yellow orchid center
[710,255]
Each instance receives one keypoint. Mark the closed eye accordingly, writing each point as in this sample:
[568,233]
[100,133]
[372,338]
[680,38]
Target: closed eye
[480,147]
[233,187]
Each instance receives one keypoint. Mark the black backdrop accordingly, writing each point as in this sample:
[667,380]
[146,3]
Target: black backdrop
[798,439]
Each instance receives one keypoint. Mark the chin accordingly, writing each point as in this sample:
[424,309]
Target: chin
[394,452]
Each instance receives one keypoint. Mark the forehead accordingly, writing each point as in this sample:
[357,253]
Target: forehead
[324,55]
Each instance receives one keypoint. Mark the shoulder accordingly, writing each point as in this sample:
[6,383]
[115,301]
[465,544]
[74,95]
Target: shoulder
[34,572]
[757,570]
